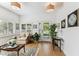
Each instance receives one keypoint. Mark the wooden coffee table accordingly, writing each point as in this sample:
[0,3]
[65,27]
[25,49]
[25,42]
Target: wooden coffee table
[17,48]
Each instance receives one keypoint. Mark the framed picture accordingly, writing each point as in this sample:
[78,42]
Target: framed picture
[63,23]
[72,19]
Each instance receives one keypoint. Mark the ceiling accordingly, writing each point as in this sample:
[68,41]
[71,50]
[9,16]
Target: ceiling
[26,7]
[7,6]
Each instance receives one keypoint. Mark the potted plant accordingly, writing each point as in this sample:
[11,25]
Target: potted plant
[53,32]
[36,37]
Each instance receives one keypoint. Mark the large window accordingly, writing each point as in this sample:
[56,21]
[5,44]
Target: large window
[10,28]
[29,28]
[17,27]
[3,27]
[23,27]
[46,28]
[7,28]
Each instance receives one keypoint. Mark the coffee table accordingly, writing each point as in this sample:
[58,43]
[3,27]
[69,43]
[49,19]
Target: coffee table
[17,48]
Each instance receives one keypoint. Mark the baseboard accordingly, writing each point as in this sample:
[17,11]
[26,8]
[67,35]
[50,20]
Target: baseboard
[64,53]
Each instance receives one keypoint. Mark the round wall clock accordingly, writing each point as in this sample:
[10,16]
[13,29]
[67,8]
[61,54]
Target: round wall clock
[72,19]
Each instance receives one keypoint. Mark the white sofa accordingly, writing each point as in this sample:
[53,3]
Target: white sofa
[22,39]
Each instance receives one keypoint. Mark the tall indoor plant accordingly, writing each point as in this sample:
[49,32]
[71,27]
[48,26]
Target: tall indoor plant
[53,32]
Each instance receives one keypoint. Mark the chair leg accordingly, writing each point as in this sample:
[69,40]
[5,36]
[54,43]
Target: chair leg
[17,53]
[24,49]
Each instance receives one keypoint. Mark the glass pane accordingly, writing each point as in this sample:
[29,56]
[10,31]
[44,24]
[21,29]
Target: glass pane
[3,27]
[17,26]
[23,26]
[46,29]
[10,28]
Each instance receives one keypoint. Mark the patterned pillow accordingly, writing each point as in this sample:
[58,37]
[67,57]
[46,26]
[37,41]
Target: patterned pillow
[11,42]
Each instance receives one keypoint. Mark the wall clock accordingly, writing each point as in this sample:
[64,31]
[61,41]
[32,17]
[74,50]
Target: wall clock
[72,19]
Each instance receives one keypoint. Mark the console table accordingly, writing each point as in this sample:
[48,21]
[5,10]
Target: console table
[58,39]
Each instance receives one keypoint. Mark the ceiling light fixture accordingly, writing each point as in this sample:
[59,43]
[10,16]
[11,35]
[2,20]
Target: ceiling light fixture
[16,5]
[53,6]
[50,7]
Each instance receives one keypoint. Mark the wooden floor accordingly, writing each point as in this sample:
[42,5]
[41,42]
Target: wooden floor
[45,49]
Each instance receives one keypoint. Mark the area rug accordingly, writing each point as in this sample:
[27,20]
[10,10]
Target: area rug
[28,52]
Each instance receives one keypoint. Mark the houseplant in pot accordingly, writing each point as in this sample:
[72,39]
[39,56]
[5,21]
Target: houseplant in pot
[53,32]
[36,37]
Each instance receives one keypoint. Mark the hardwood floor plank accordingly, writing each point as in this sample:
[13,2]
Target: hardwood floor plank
[45,49]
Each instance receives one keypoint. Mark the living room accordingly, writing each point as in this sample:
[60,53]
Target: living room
[29,24]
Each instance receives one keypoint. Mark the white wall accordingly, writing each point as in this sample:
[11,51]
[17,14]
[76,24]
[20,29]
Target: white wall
[70,35]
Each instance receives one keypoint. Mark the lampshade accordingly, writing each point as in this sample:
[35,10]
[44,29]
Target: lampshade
[16,5]
[50,7]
